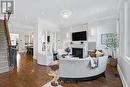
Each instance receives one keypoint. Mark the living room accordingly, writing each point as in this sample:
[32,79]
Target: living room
[63,35]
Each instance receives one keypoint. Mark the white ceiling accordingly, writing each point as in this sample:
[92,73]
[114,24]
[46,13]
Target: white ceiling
[27,11]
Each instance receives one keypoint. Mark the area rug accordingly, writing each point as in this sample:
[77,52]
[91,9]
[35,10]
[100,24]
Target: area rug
[49,85]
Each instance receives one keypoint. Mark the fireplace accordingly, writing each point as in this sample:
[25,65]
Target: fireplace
[77,52]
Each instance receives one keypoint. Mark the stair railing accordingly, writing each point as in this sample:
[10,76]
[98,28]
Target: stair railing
[7,31]
[8,38]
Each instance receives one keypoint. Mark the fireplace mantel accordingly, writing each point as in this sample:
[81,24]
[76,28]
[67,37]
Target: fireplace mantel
[78,45]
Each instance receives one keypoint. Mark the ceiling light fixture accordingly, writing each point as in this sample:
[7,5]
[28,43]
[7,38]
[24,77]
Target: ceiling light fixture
[66,13]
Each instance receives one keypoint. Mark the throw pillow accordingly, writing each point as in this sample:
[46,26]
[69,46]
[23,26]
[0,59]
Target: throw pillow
[99,54]
[92,54]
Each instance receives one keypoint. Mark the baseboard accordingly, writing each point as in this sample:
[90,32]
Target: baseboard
[122,77]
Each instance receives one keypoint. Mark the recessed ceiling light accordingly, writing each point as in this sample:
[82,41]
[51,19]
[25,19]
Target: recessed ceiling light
[66,13]
[26,17]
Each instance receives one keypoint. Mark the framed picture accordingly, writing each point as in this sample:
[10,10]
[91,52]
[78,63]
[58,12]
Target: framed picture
[103,38]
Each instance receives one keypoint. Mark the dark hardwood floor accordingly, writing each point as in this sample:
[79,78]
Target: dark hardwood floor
[29,74]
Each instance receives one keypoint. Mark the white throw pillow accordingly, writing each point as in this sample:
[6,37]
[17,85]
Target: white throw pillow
[99,54]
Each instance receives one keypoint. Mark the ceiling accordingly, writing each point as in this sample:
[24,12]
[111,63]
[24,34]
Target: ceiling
[27,11]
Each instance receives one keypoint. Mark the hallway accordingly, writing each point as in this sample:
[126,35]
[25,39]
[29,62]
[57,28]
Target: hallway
[30,74]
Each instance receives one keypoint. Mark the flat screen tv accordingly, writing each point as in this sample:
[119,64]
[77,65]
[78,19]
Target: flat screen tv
[79,36]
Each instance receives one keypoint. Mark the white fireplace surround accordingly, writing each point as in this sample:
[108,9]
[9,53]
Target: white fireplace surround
[79,45]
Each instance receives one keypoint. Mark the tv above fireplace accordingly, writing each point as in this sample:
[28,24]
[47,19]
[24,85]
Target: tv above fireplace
[79,36]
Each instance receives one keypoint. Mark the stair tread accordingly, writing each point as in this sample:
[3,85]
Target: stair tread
[4,53]
[4,64]
[4,58]
[3,38]
[3,61]
[4,67]
[1,30]
[3,41]
[2,33]
[1,47]
[1,58]
[4,48]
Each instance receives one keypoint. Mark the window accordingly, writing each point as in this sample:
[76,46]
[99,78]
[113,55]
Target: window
[7,6]
[14,39]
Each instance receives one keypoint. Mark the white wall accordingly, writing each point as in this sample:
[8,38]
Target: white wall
[103,27]
[92,32]
[63,37]
[42,27]
[123,61]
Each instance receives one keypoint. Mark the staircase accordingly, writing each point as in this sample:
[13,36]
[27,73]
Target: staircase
[4,48]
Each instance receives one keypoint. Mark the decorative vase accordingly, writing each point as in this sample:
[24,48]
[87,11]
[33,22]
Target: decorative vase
[113,53]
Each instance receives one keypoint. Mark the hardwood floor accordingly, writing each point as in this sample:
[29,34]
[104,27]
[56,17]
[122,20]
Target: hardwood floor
[29,74]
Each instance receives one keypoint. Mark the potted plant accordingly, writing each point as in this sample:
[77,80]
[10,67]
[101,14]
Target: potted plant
[112,42]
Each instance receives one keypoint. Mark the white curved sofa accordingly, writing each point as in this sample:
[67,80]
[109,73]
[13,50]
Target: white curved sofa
[79,69]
